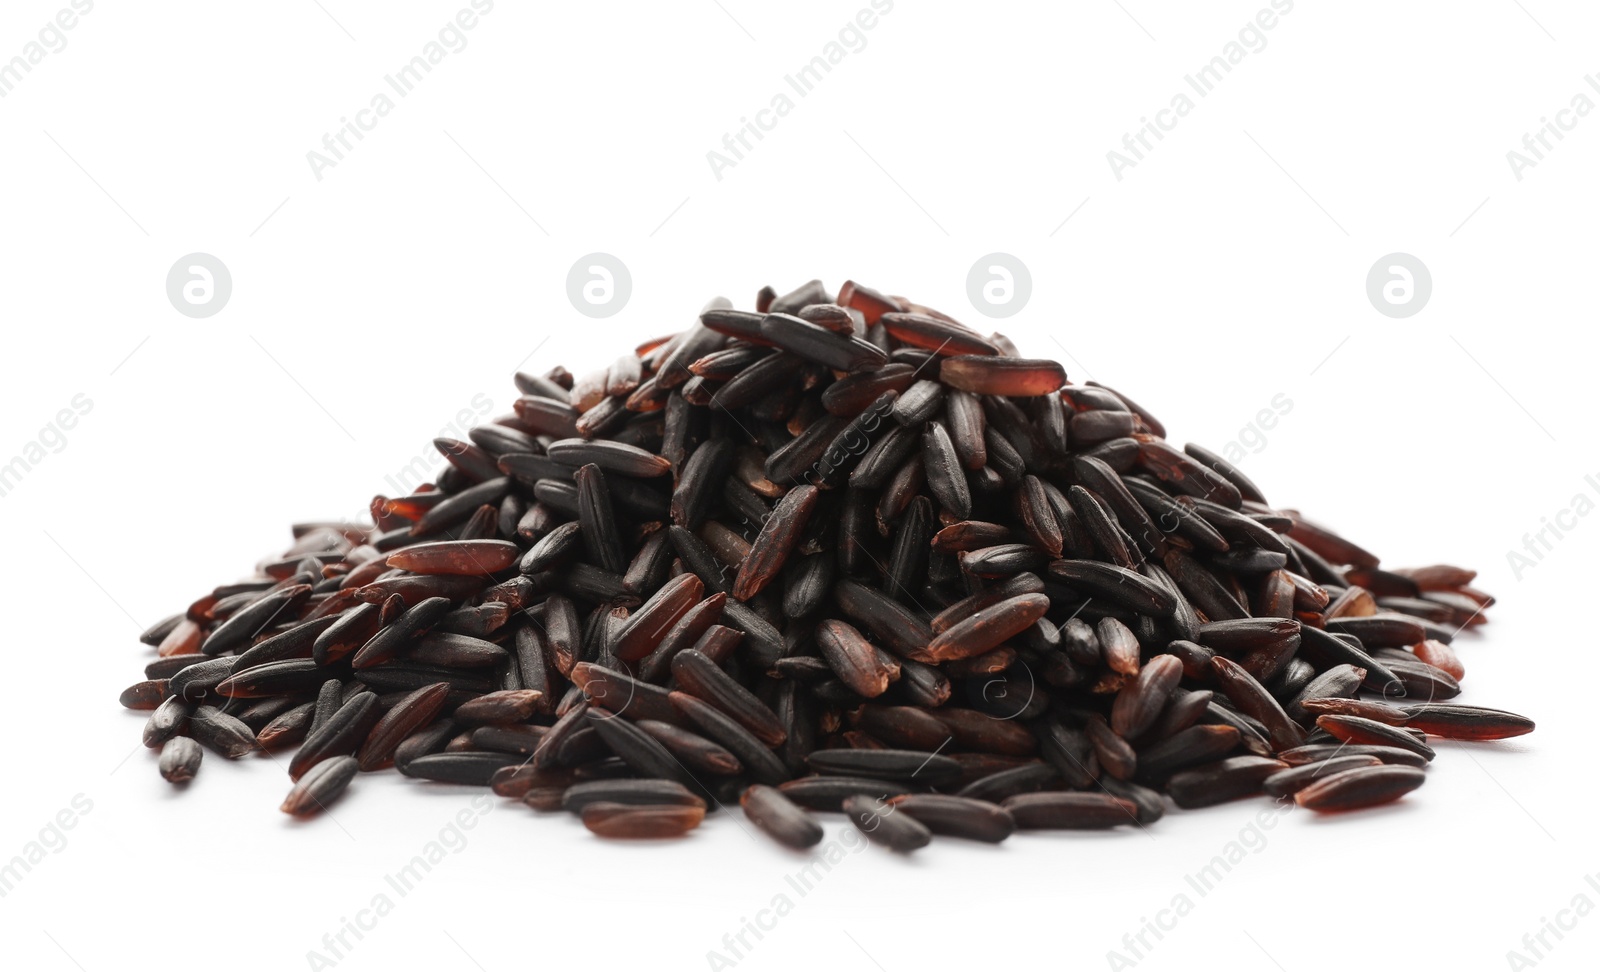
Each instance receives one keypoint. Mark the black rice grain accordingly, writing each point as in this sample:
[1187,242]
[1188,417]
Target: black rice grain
[883,824]
[180,759]
[321,785]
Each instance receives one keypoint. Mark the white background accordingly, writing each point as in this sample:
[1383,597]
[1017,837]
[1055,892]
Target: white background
[371,306]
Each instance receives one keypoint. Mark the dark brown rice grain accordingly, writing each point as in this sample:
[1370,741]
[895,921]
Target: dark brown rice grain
[180,759]
[630,822]
[1361,787]
[1069,811]
[320,786]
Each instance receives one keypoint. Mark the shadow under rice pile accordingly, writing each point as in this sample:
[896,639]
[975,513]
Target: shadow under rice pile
[838,553]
